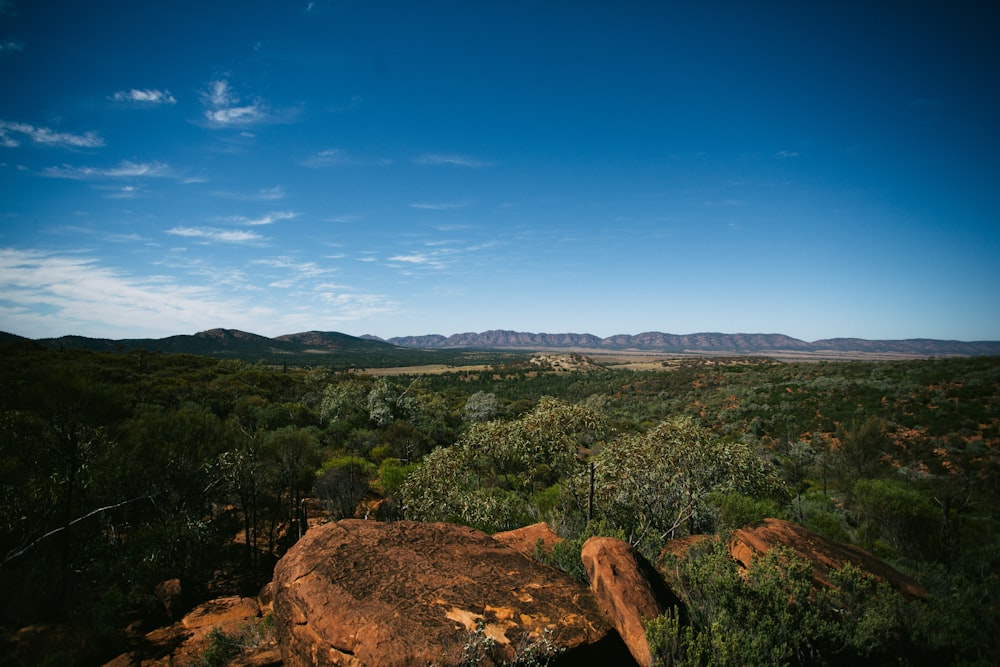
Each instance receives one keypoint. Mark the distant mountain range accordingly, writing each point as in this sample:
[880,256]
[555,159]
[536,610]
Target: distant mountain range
[319,347]
[654,341]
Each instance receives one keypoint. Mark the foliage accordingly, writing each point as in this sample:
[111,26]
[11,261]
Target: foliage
[772,614]
[223,647]
[656,485]
[565,555]
[157,461]
[487,478]
[481,407]
[531,651]
[341,482]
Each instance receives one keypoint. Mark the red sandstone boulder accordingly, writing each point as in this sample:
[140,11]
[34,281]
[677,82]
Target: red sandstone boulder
[526,540]
[186,642]
[368,593]
[824,554]
[629,590]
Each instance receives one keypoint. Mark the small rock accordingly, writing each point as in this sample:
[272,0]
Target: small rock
[525,540]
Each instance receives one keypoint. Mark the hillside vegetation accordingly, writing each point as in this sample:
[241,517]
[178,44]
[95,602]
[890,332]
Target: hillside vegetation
[121,470]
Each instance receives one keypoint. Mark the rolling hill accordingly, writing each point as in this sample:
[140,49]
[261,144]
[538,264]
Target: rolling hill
[342,350]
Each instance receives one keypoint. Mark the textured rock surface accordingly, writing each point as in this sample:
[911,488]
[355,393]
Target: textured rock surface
[185,642]
[525,540]
[825,555]
[629,590]
[368,593]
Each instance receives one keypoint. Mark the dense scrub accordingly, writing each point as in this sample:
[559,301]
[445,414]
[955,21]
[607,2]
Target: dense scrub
[119,471]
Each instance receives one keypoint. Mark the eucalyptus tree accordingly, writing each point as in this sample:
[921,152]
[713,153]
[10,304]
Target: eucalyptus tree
[656,485]
[488,477]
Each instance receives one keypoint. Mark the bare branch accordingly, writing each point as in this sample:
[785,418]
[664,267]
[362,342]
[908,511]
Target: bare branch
[20,552]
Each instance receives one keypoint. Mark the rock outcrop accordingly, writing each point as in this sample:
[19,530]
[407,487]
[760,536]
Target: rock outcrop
[367,593]
[824,554]
[628,589]
[526,540]
[186,641]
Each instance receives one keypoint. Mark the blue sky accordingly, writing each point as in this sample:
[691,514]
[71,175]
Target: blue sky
[394,168]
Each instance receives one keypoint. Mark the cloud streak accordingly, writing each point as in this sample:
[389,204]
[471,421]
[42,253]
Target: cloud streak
[268,219]
[439,206]
[264,194]
[127,169]
[45,293]
[12,134]
[144,96]
[215,234]
[225,107]
[451,159]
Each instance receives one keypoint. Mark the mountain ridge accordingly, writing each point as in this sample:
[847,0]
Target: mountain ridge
[322,345]
[654,341]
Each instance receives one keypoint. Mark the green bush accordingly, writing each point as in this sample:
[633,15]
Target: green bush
[566,554]
[771,614]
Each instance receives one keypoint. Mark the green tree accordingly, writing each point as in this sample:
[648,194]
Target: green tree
[894,517]
[341,482]
[292,454]
[344,404]
[481,407]
[862,443]
[655,485]
[488,477]
[388,402]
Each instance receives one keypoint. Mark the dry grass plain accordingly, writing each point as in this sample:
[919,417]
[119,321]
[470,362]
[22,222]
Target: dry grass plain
[569,360]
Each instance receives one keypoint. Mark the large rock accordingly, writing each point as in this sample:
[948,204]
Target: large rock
[629,590]
[369,593]
[824,554]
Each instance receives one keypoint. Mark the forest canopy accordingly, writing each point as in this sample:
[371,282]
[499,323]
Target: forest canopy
[201,469]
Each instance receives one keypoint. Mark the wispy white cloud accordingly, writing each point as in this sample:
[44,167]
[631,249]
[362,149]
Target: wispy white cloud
[214,234]
[46,294]
[338,157]
[224,107]
[452,159]
[11,45]
[264,194]
[252,113]
[783,155]
[436,255]
[218,94]
[328,158]
[416,258]
[436,259]
[262,220]
[353,305]
[12,134]
[127,169]
[122,192]
[289,267]
[144,96]
[438,206]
